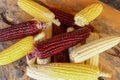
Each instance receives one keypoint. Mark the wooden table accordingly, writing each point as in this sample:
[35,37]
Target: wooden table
[16,70]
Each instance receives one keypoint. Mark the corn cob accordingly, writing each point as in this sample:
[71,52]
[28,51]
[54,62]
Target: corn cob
[91,49]
[72,48]
[69,30]
[64,71]
[32,57]
[62,56]
[21,30]
[88,14]
[16,51]
[39,12]
[61,42]
[48,34]
[65,18]
[95,59]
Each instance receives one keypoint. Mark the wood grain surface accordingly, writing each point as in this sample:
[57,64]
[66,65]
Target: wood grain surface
[107,23]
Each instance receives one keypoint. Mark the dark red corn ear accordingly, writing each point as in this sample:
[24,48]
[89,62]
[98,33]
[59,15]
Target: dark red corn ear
[20,30]
[61,56]
[65,18]
[61,42]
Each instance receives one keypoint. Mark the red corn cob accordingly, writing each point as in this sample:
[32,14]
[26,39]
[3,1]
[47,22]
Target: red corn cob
[61,42]
[21,30]
[65,18]
[61,56]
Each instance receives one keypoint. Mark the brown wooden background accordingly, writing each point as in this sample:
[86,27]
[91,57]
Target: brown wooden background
[16,70]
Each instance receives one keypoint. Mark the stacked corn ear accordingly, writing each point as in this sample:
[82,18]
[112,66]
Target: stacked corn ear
[38,11]
[93,48]
[48,35]
[16,51]
[88,14]
[62,56]
[21,30]
[58,43]
[95,59]
[64,71]
[31,57]
[69,29]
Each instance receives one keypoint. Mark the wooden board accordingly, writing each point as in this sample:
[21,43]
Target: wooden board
[105,25]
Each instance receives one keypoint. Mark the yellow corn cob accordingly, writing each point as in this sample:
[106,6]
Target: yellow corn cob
[91,49]
[64,71]
[16,51]
[39,12]
[95,59]
[48,34]
[39,37]
[88,14]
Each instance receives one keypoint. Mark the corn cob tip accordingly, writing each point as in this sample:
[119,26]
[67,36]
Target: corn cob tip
[39,36]
[107,75]
[88,14]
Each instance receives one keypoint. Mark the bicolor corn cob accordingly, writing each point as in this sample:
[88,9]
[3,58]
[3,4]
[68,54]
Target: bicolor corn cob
[61,42]
[95,59]
[93,48]
[88,14]
[32,57]
[64,71]
[16,51]
[21,30]
[39,12]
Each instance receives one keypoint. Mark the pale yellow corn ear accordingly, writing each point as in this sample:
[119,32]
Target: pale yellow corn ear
[95,59]
[48,34]
[64,71]
[16,51]
[38,11]
[88,14]
[91,49]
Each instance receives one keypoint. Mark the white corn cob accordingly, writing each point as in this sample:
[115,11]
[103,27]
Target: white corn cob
[95,59]
[48,34]
[64,71]
[93,48]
